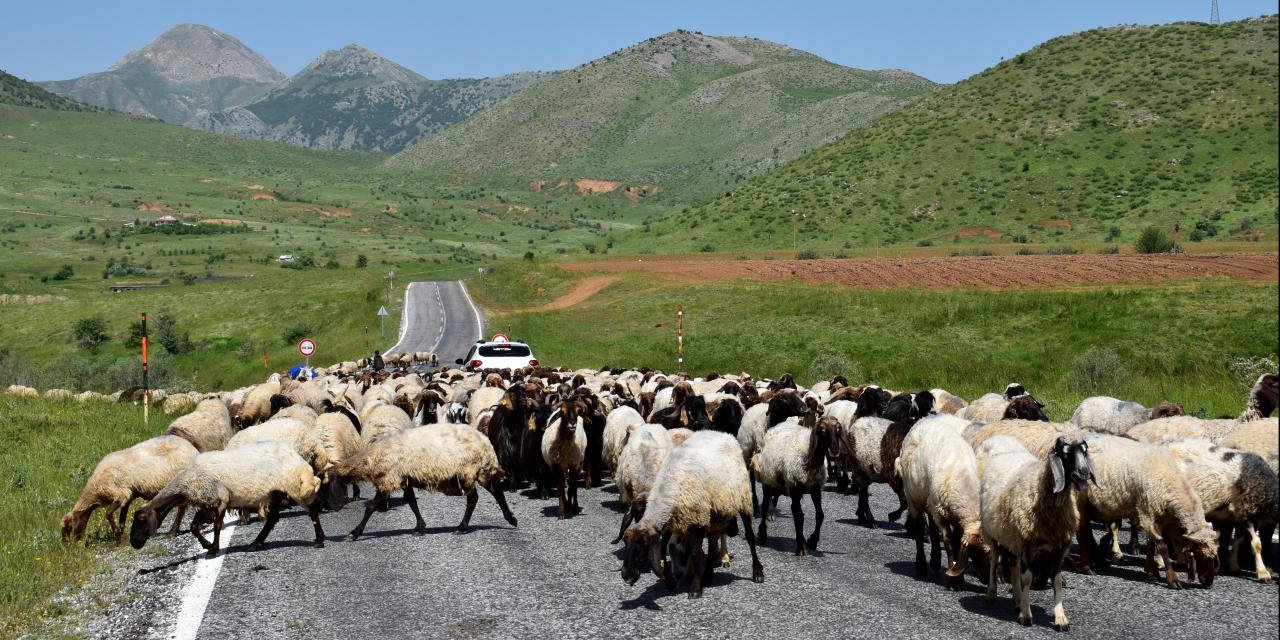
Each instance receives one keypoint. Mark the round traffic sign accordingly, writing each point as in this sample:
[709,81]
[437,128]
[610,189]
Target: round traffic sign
[307,347]
[499,337]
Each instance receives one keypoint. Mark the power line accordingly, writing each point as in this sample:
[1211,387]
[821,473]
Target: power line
[1214,18]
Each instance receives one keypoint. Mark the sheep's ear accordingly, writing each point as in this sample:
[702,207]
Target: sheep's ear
[684,417]
[1059,476]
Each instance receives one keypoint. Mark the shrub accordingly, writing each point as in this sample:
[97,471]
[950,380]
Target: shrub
[1247,369]
[807,254]
[90,332]
[1111,250]
[64,272]
[1025,251]
[362,261]
[1155,240]
[827,364]
[296,332]
[1062,250]
[1097,370]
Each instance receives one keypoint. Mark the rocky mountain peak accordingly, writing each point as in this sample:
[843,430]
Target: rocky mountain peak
[354,60]
[189,53]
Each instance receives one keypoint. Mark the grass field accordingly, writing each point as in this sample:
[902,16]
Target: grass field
[1145,343]
[51,448]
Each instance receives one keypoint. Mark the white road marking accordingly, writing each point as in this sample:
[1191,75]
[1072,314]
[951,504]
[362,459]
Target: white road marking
[440,305]
[479,322]
[195,598]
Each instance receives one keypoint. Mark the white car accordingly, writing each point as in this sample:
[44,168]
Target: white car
[498,353]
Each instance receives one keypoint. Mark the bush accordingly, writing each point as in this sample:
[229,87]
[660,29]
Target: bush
[1111,250]
[64,272]
[827,364]
[1247,369]
[1097,370]
[1062,250]
[1025,251]
[90,332]
[296,332]
[1155,240]
[362,261]
[807,254]
[167,334]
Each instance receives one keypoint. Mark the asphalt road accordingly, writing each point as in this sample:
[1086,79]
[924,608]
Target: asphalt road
[560,579]
[439,317]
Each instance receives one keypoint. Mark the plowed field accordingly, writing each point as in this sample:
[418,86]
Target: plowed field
[994,272]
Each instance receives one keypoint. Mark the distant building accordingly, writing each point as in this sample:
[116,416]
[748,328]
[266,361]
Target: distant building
[165,221]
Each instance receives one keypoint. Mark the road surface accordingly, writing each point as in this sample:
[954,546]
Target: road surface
[439,318]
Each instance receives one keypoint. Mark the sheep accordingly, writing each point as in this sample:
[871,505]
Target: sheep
[1181,428]
[180,403]
[59,395]
[505,426]
[1236,488]
[482,399]
[678,436]
[758,419]
[140,471]
[1261,437]
[1142,480]
[1263,398]
[1029,511]
[792,462]
[262,402]
[701,486]
[992,406]
[22,391]
[617,426]
[939,473]
[303,438]
[208,427]
[449,458]
[259,476]
[1110,415]
[564,449]
[946,402]
[636,469]
[1035,435]
[380,419]
[89,396]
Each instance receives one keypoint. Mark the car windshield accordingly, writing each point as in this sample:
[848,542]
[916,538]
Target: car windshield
[504,351]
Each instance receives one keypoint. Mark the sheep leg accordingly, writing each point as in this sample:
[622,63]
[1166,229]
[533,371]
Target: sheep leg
[992,558]
[797,518]
[626,522]
[560,495]
[764,517]
[465,525]
[501,499]
[1133,536]
[572,480]
[1227,548]
[902,504]
[757,569]
[864,508]
[314,513]
[1060,621]
[915,527]
[957,556]
[818,516]
[411,498]
[1162,548]
[177,520]
[124,509]
[935,553]
[696,556]
[1021,594]
[751,479]
[273,516]
[197,522]
[1256,543]
[1116,555]
[217,531]
[110,512]
[369,508]
[1088,548]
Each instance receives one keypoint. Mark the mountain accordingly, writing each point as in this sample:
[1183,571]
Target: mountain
[681,110]
[1086,137]
[19,92]
[353,98]
[184,70]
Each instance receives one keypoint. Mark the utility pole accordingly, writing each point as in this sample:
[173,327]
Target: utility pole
[1214,18]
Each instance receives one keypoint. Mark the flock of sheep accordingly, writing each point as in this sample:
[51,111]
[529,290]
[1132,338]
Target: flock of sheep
[992,482]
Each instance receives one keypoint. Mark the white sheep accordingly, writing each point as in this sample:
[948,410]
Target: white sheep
[758,419]
[22,391]
[939,474]
[1141,480]
[1181,428]
[1263,398]
[637,467]
[701,488]
[1029,511]
[1237,488]
[257,477]
[947,402]
[564,449]
[208,427]
[140,471]
[792,462]
[260,403]
[449,458]
[617,426]
[1105,414]
[380,419]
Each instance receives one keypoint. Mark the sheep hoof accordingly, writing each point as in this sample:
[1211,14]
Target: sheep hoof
[257,546]
[1026,622]
[1062,627]
[757,575]
[353,536]
[894,515]
[512,521]
[1176,586]
[813,542]
[319,544]
[693,595]
[211,554]
[459,531]
[801,551]
[920,569]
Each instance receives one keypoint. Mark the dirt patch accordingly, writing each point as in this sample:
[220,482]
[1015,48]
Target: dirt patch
[262,195]
[591,187]
[254,187]
[154,207]
[391,209]
[1057,224]
[990,233]
[637,191]
[337,212]
[578,294]
[993,272]
[537,185]
[219,221]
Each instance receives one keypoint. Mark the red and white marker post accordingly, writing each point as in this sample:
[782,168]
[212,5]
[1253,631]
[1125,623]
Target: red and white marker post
[680,338]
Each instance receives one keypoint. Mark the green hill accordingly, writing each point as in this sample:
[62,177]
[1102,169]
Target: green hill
[1083,137]
[18,92]
[684,112]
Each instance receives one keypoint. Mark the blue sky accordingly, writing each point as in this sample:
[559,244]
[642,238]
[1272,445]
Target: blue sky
[943,41]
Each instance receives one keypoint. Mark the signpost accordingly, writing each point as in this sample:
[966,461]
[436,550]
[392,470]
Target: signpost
[382,321]
[680,338]
[146,395]
[307,347]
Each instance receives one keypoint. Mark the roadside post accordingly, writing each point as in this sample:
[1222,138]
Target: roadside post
[382,323]
[266,366]
[307,347]
[680,338]
[146,393]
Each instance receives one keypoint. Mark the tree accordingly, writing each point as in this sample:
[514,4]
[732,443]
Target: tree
[90,332]
[167,334]
[362,261]
[64,272]
[1155,240]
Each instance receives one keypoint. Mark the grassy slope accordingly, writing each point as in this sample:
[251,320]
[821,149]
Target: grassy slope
[19,92]
[726,108]
[51,448]
[63,175]
[1121,127]
[1175,339]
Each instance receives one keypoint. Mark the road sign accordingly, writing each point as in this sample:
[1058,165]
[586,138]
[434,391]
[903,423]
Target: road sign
[382,311]
[307,347]
[499,337]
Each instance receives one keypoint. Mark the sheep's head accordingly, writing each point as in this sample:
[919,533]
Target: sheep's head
[786,404]
[145,523]
[1069,462]
[1025,407]
[1013,390]
[1200,548]
[1167,409]
[824,441]
[1265,396]
[872,402]
[693,413]
[72,530]
[643,552]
